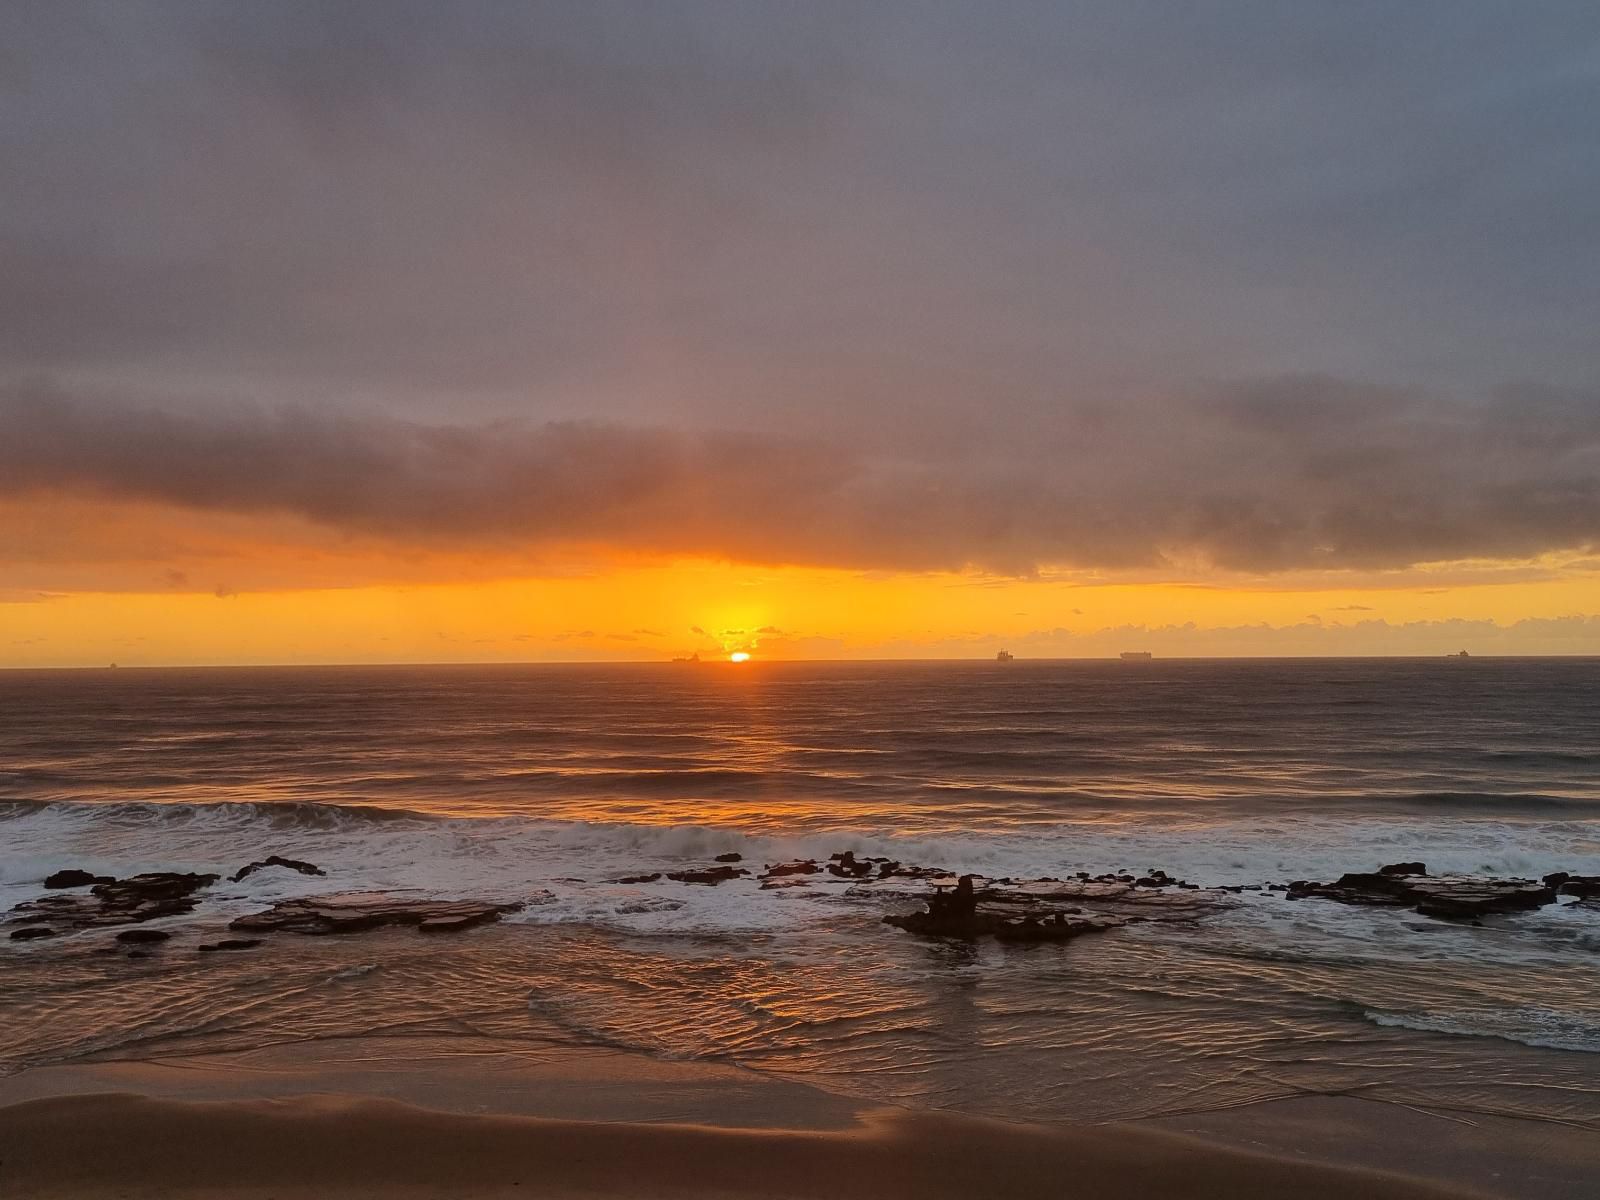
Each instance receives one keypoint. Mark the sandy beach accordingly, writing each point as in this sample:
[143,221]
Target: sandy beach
[479,1118]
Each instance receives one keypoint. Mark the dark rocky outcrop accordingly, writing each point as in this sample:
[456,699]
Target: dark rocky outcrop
[777,871]
[1056,927]
[72,878]
[847,866]
[710,875]
[119,901]
[639,878]
[274,860]
[1456,897]
[1584,887]
[31,933]
[231,944]
[1405,868]
[357,912]
[729,858]
[965,912]
[1038,910]
[143,936]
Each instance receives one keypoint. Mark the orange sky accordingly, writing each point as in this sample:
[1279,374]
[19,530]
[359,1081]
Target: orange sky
[620,609]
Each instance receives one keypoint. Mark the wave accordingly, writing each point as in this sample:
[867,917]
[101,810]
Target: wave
[277,814]
[1506,800]
[1542,1027]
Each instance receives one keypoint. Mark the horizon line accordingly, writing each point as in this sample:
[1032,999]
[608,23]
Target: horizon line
[758,662]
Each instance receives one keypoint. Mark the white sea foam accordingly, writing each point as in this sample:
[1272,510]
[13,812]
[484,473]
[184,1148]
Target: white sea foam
[1528,1025]
[577,862]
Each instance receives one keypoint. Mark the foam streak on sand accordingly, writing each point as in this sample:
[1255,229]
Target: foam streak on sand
[343,1148]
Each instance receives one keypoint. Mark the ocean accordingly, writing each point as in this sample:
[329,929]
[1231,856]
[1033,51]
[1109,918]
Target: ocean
[547,784]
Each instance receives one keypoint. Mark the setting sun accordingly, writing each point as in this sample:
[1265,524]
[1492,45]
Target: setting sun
[739,656]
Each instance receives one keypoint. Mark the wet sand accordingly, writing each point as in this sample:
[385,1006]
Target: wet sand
[356,1147]
[474,1117]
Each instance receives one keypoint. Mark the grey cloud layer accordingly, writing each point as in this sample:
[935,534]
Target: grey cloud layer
[961,273]
[765,214]
[1299,472]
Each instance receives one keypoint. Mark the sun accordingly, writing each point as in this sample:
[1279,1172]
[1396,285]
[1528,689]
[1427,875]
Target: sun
[739,656]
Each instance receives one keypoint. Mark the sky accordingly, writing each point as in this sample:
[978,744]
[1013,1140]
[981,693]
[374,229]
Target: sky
[519,331]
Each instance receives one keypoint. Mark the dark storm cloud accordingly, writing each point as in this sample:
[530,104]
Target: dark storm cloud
[961,272]
[1263,477]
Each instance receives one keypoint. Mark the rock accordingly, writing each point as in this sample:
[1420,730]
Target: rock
[725,858]
[778,885]
[32,933]
[231,944]
[292,864]
[649,904]
[356,912]
[72,878]
[143,936]
[1448,896]
[1033,910]
[711,875]
[1584,887]
[1405,868]
[639,878]
[1058,927]
[795,868]
[845,866]
[120,901]
[455,922]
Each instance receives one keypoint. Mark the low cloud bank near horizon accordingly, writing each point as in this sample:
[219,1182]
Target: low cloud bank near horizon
[1263,476]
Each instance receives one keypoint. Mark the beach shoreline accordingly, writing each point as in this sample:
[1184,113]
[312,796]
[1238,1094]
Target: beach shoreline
[129,1146]
[471,1117]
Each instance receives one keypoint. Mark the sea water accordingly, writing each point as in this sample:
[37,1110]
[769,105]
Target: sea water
[546,784]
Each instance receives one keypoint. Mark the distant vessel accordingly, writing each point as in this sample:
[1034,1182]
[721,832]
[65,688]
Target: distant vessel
[693,658]
[1004,656]
[1463,654]
[1136,656]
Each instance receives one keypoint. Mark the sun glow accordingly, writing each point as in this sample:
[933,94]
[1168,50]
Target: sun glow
[739,656]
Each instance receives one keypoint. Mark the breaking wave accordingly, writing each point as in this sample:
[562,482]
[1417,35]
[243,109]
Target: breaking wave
[1541,1027]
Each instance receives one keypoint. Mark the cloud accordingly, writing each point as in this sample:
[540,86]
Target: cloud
[1299,472]
[767,211]
[894,286]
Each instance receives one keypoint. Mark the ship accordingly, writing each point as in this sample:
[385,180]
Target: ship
[1136,656]
[1004,656]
